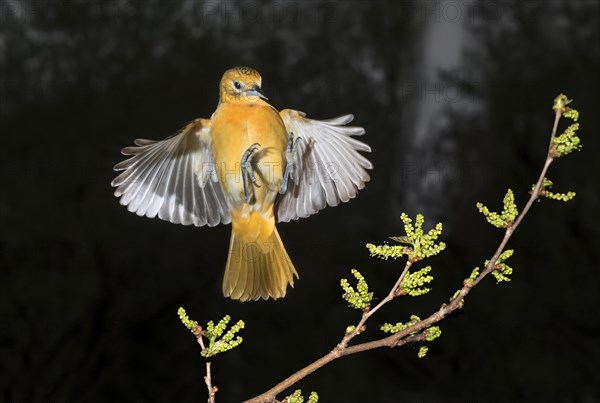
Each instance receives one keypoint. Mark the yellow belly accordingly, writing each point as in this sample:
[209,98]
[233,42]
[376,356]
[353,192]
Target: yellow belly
[234,128]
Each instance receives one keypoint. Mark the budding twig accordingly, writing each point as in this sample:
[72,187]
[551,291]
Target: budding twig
[417,332]
[340,350]
[212,390]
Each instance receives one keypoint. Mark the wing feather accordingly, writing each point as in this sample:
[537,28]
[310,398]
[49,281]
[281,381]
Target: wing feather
[171,178]
[329,166]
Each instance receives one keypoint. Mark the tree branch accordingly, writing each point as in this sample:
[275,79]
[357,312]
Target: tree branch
[417,331]
[212,390]
[340,350]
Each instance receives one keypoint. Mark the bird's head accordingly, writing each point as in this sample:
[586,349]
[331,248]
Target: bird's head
[242,85]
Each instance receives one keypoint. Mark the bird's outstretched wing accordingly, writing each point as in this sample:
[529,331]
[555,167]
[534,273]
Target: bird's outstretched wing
[328,165]
[173,179]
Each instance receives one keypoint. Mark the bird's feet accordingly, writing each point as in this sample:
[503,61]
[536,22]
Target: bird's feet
[248,171]
[290,166]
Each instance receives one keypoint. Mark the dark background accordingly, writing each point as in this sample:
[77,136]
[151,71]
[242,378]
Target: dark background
[456,101]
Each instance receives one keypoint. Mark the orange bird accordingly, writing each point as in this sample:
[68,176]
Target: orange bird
[249,165]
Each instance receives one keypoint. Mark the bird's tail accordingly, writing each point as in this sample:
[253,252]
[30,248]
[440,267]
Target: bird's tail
[258,265]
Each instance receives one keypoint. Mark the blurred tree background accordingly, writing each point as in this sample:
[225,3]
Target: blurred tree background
[455,98]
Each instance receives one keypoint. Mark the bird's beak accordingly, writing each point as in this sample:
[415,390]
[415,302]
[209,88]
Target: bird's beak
[256,91]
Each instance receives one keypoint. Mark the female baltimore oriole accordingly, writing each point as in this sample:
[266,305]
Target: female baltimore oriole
[249,165]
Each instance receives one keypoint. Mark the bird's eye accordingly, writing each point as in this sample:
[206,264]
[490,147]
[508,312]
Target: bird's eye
[237,85]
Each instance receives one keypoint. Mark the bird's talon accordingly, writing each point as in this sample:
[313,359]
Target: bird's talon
[293,143]
[289,169]
[290,166]
[248,171]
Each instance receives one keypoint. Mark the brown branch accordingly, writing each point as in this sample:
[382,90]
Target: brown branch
[340,350]
[212,390]
[368,312]
[417,331]
[535,194]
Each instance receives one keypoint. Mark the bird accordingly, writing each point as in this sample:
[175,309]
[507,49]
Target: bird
[249,165]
